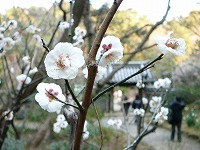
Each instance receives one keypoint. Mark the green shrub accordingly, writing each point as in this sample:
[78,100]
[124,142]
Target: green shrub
[191,119]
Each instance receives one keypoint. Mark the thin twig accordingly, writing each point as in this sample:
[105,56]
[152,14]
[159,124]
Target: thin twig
[9,74]
[98,119]
[70,22]
[44,45]
[49,44]
[73,96]
[6,82]
[122,81]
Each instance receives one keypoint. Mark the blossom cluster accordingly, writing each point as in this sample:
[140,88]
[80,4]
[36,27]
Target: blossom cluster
[78,36]
[7,42]
[161,115]
[114,123]
[162,83]
[60,123]
[139,112]
[155,103]
[140,84]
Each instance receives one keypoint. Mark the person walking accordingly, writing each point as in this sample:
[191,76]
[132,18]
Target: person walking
[126,104]
[176,117]
[137,104]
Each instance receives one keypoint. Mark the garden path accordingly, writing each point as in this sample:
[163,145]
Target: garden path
[160,139]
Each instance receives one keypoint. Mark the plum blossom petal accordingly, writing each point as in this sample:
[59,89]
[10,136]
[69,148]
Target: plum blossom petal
[34,70]
[166,44]
[26,59]
[46,97]
[161,115]
[144,100]
[63,25]
[101,71]
[8,43]
[110,51]
[22,78]
[56,127]
[63,61]
[8,115]
[12,24]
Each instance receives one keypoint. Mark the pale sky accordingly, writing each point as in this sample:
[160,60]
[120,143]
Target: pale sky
[153,9]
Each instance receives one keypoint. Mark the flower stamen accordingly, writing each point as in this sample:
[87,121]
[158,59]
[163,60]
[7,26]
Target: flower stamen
[63,62]
[172,42]
[51,94]
[106,47]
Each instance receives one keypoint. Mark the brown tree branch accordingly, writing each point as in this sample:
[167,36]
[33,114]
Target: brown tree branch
[92,70]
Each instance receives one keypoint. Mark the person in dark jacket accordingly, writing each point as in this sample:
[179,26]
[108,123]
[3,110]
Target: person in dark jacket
[176,117]
[126,104]
[137,104]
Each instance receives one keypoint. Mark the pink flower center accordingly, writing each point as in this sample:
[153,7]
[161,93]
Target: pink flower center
[172,42]
[63,62]
[51,94]
[106,47]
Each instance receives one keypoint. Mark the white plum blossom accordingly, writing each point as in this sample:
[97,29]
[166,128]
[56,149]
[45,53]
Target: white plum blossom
[12,69]
[17,37]
[114,123]
[136,111]
[110,122]
[79,32]
[162,115]
[3,24]
[8,43]
[144,100]
[60,123]
[140,84]
[26,59]
[2,29]
[12,24]
[8,115]
[139,112]
[60,118]
[1,37]
[37,39]
[32,29]
[56,127]
[167,83]
[34,70]
[101,71]
[162,83]
[63,61]
[22,78]
[110,51]
[166,44]
[78,36]
[47,96]
[63,25]
[86,135]
[154,103]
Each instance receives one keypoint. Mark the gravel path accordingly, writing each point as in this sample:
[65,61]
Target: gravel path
[160,139]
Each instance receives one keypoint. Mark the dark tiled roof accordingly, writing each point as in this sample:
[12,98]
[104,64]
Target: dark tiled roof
[129,69]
